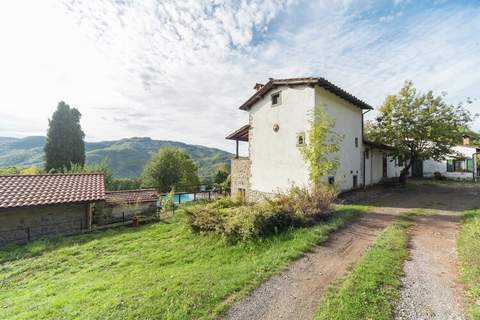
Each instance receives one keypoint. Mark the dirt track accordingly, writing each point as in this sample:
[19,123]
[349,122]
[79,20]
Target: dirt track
[295,293]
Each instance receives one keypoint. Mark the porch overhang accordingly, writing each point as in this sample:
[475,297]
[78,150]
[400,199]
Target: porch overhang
[239,135]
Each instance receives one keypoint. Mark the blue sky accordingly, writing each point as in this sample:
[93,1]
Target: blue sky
[178,70]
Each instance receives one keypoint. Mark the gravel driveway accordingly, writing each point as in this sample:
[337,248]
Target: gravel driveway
[429,291]
[429,287]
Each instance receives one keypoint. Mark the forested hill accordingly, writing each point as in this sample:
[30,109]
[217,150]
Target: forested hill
[126,156]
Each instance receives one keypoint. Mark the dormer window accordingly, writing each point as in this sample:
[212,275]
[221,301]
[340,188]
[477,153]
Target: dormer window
[276,98]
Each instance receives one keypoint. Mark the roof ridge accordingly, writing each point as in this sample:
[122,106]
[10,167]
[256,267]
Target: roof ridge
[322,82]
[131,190]
[52,174]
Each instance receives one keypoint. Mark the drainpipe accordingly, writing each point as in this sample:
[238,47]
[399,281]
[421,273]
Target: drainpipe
[364,160]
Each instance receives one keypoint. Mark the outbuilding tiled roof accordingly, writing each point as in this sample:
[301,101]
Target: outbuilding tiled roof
[312,81]
[132,196]
[45,189]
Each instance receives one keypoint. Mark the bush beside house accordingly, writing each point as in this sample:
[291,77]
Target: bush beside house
[236,221]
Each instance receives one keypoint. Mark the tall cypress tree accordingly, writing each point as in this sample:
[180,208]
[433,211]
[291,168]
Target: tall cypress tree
[65,145]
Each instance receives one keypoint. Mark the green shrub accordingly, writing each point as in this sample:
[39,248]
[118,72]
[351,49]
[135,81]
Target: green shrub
[236,222]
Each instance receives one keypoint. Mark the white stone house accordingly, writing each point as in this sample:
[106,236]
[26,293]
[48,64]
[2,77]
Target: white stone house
[461,164]
[279,120]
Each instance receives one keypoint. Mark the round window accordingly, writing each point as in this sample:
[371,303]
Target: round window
[276,127]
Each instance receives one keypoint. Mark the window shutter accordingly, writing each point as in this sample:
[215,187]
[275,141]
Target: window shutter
[450,165]
[469,165]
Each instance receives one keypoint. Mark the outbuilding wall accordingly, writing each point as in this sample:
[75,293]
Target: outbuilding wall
[18,225]
[431,166]
[115,212]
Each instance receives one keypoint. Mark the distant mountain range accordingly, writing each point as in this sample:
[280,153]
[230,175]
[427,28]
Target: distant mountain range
[126,156]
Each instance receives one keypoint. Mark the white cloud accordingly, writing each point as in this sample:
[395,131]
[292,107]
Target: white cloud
[178,70]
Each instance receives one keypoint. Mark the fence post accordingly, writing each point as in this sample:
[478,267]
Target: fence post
[209,195]
[28,233]
[179,198]
[123,216]
[194,195]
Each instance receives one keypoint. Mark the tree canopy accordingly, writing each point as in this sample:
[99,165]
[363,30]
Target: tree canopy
[170,168]
[419,126]
[65,145]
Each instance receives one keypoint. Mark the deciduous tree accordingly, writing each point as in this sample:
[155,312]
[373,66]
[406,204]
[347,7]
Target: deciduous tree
[170,168]
[419,126]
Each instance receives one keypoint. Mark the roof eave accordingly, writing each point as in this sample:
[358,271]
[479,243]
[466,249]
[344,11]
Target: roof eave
[327,85]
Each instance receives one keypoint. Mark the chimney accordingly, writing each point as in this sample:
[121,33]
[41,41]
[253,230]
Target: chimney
[466,140]
[258,86]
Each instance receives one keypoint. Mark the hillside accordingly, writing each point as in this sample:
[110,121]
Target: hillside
[126,156]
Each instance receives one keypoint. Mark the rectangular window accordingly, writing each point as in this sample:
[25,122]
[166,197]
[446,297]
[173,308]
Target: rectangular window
[400,161]
[454,165]
[459,165]
[450,165]
[300,139]
[356,142]
[331,180]
[276,98]
[355,181]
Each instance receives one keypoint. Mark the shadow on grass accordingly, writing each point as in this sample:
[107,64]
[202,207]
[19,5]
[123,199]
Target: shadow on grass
[42,246]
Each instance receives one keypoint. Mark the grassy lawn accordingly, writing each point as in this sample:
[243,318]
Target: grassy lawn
[468,244]
[369,291]
[160,270]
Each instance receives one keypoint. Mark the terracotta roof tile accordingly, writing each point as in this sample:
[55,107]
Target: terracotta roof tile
[322,82]
[132,196]
[45,189]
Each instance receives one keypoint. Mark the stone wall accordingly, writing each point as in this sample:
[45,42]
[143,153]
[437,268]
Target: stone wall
[240,176]
[19,225]
[112,213]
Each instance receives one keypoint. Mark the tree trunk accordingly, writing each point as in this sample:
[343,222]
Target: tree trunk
[403,174]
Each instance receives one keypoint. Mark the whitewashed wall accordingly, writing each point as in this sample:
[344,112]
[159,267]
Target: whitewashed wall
[374,166]
[430,166]
[276,161]
[348,124]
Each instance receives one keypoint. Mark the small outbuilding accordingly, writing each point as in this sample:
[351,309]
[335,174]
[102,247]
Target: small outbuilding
[34,206]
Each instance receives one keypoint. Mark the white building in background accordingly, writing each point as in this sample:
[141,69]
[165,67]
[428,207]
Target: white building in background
[461,165]
[279,119]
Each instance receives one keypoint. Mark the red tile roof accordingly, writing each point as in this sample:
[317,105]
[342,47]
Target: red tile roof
[132,196]
[322,82]
[45,189]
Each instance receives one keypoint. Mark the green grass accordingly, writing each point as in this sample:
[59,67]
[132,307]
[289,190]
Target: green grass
[156,271]
[369,291]
[468,245]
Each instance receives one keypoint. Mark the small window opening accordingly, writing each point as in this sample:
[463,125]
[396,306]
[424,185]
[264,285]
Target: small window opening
[356,142]
[331,180]
[300,139]
[355,181]
[367,154]
[276,99]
